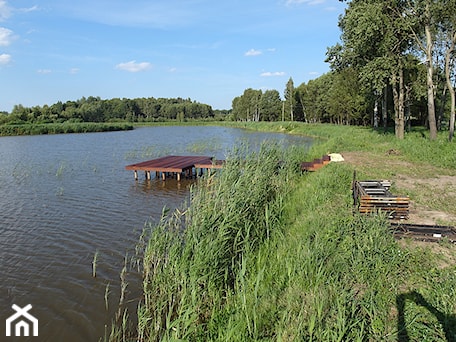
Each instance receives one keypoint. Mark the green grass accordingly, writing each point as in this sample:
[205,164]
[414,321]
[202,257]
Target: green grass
[58,128]
[262,252]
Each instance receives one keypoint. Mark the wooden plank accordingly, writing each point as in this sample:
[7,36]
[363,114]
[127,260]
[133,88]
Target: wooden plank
[212,164]
[372,196]
[169,163]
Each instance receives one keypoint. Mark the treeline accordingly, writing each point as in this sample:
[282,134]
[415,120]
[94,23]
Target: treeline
[395,66]
[337,97]
[95,109]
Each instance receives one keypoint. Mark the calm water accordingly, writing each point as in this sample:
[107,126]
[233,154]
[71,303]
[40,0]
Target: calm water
[65,197]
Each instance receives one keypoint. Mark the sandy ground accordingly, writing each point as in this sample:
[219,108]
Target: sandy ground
[438,186]
[442,185]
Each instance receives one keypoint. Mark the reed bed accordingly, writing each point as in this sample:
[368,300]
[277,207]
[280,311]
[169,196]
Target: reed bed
[263,252]
[59,128]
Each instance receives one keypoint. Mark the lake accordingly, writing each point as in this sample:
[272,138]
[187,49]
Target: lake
[65,198]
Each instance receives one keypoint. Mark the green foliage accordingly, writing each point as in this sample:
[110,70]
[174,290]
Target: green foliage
[94,109]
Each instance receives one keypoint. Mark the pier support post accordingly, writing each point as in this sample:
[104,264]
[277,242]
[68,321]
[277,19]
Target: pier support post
[136,175]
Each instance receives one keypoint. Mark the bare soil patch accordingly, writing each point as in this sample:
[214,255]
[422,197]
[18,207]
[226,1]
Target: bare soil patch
[429,188]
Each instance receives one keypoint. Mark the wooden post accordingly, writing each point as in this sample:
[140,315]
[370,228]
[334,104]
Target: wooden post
[178,176]
[163,175]
[136,175]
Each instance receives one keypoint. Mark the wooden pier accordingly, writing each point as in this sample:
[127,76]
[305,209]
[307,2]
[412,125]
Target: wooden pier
[315,164]
[175,166]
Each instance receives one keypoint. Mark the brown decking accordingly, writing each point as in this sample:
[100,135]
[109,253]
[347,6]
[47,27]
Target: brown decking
[211,164]
[315,164]
[175,165]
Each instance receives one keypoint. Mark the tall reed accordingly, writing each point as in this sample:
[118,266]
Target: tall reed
[196,258]
[263,252]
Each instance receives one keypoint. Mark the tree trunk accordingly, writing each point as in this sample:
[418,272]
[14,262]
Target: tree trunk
[408,120]
[303,108]
[291,109]
[400,127]
[375,120]
[398,95]
[448,55]
[430,75]
[442,108]
[385,108]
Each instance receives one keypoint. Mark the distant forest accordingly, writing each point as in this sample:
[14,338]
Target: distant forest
[95,109]
[394,67]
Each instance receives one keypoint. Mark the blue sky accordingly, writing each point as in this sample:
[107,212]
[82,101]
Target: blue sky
[206,50]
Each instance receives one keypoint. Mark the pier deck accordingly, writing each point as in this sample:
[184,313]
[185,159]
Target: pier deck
[175,165]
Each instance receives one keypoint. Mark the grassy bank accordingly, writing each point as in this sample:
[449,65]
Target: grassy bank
[265,253]
[58,128]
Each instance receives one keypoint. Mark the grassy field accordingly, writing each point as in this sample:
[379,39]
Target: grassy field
[263,252]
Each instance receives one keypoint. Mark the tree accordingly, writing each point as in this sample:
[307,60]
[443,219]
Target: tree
[376,43]
[422,19]
[347,102]
[289,97]
[270,105]
[315,98]
[300,94]
[247,106]
[448,28]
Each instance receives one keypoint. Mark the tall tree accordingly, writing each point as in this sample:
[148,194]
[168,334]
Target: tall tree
[448,29]
[247,106]
[289,97]
[346,102]
[375,42]
[422,19]
[270,105]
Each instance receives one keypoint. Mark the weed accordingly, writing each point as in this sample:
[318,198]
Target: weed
[94,264]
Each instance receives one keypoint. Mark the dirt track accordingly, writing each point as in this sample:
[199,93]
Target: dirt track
[442,186]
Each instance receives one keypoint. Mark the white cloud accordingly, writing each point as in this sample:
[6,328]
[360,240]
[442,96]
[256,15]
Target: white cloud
[74,71]
[6,36]
[132,66]
[314,73]
[253,52]
[5,11]
[271,74]
[29,9]
[5,59]
[44,71]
